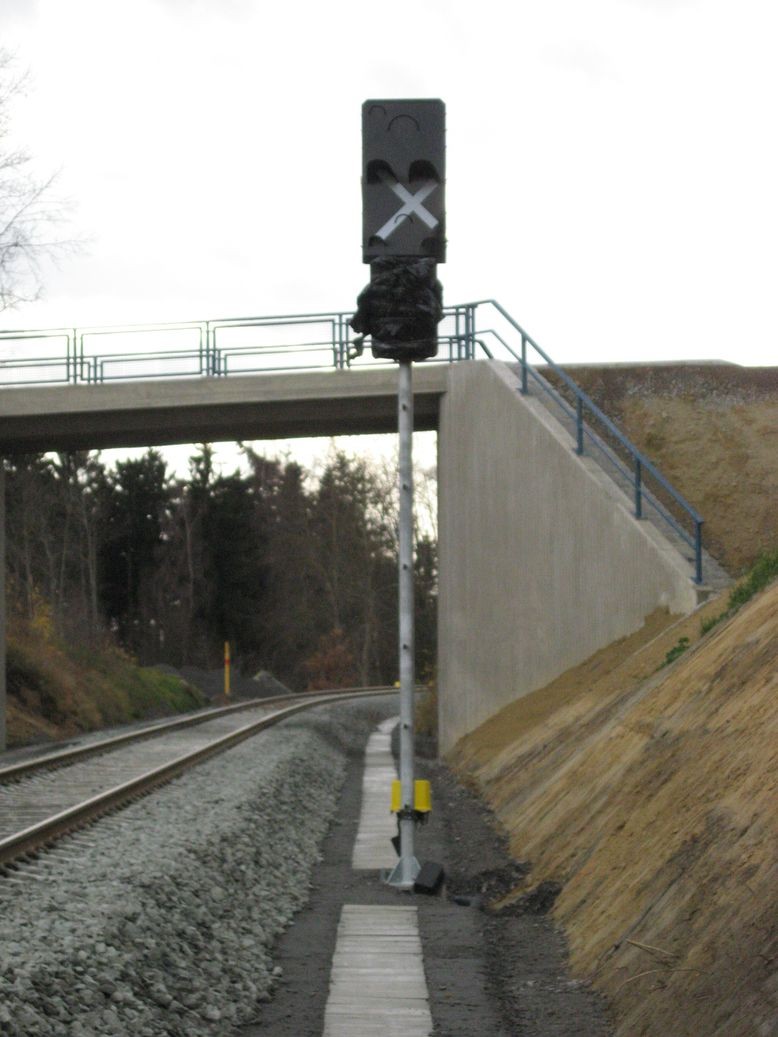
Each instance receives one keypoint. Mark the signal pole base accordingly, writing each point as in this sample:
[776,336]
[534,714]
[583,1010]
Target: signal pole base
[403,875]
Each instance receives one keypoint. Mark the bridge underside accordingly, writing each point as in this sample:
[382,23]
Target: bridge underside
[277,406]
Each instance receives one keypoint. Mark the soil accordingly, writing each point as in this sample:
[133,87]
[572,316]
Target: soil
[649,794]
[712,430]
[501,973]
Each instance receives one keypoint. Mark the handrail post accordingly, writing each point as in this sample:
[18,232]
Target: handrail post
[579,426]
[523,364]
[470,324]
[345,359]
[698,550]
[213,362]
[337,348]
[638,488]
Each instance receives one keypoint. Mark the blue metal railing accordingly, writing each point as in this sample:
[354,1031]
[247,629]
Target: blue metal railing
[253,345]
[620,454]
[243,345]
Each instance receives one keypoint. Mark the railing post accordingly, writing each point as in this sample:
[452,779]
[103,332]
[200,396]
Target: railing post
[213,357]
[343,341]
[523,365]
[579,426]
[337,352]
[470,325]
[74,361]
[638,488]
[698,550]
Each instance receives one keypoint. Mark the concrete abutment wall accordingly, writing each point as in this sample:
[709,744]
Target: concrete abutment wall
[541,561]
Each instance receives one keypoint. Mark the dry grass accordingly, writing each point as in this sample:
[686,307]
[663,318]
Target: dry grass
[712,429]
[652,795]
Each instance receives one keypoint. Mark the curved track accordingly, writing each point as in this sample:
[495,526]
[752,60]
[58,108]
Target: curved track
[44,799]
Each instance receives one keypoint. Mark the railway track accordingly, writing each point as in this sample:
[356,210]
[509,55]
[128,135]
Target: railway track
[43,799]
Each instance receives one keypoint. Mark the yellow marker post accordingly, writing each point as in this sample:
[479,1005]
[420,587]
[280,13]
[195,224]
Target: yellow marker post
[227,669]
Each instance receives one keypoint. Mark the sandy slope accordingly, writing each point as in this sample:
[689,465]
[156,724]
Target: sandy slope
[653,796]
[712,429]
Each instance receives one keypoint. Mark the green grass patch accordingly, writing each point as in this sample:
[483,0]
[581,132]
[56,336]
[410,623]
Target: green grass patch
[151,692]
[76,687]
[762,572]
[678,649]
[710,622]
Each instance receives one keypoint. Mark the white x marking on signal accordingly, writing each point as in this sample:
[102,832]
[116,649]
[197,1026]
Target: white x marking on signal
[412,204]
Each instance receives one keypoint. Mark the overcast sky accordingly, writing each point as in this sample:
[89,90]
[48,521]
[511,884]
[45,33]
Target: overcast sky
[611,165]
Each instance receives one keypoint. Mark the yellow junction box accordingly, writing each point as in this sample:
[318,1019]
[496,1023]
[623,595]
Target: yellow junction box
[422,797]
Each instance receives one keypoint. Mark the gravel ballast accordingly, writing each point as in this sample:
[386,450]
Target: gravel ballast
[160,920]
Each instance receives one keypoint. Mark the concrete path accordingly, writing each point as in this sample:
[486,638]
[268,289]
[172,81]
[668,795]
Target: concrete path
[373,849]
[377,984]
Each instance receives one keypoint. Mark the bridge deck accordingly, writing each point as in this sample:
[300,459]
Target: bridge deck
[155,413]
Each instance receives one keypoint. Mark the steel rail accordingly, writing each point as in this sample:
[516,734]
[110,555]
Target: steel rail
[64,757]
[42,834]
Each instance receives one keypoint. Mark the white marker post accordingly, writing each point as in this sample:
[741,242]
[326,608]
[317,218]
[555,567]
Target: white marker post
[407,868]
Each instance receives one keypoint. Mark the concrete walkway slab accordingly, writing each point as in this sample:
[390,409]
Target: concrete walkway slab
[372,992]
[373,849]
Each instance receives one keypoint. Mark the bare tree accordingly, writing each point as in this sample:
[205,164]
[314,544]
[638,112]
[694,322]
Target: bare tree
[30,212]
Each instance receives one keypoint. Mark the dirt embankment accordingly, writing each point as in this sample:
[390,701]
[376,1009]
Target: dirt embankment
[712,429]
[651,793]
[58,688]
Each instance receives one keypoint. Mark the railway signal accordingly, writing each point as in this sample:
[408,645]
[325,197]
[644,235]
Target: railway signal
[403,161]
[403,240]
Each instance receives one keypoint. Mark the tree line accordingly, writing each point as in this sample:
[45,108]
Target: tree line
[298,573]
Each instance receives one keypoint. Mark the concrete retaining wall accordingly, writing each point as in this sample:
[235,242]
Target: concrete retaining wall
[541,561]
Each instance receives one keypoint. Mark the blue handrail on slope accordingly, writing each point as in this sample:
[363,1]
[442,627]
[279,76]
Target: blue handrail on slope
[641,465]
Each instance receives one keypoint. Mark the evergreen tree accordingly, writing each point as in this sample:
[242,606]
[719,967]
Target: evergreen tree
[135,497]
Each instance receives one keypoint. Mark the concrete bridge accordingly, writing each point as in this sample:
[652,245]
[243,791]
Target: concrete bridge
[541,560]
[543,557]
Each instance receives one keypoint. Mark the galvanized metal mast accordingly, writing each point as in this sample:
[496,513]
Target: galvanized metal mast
[407,868]
[403,159]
